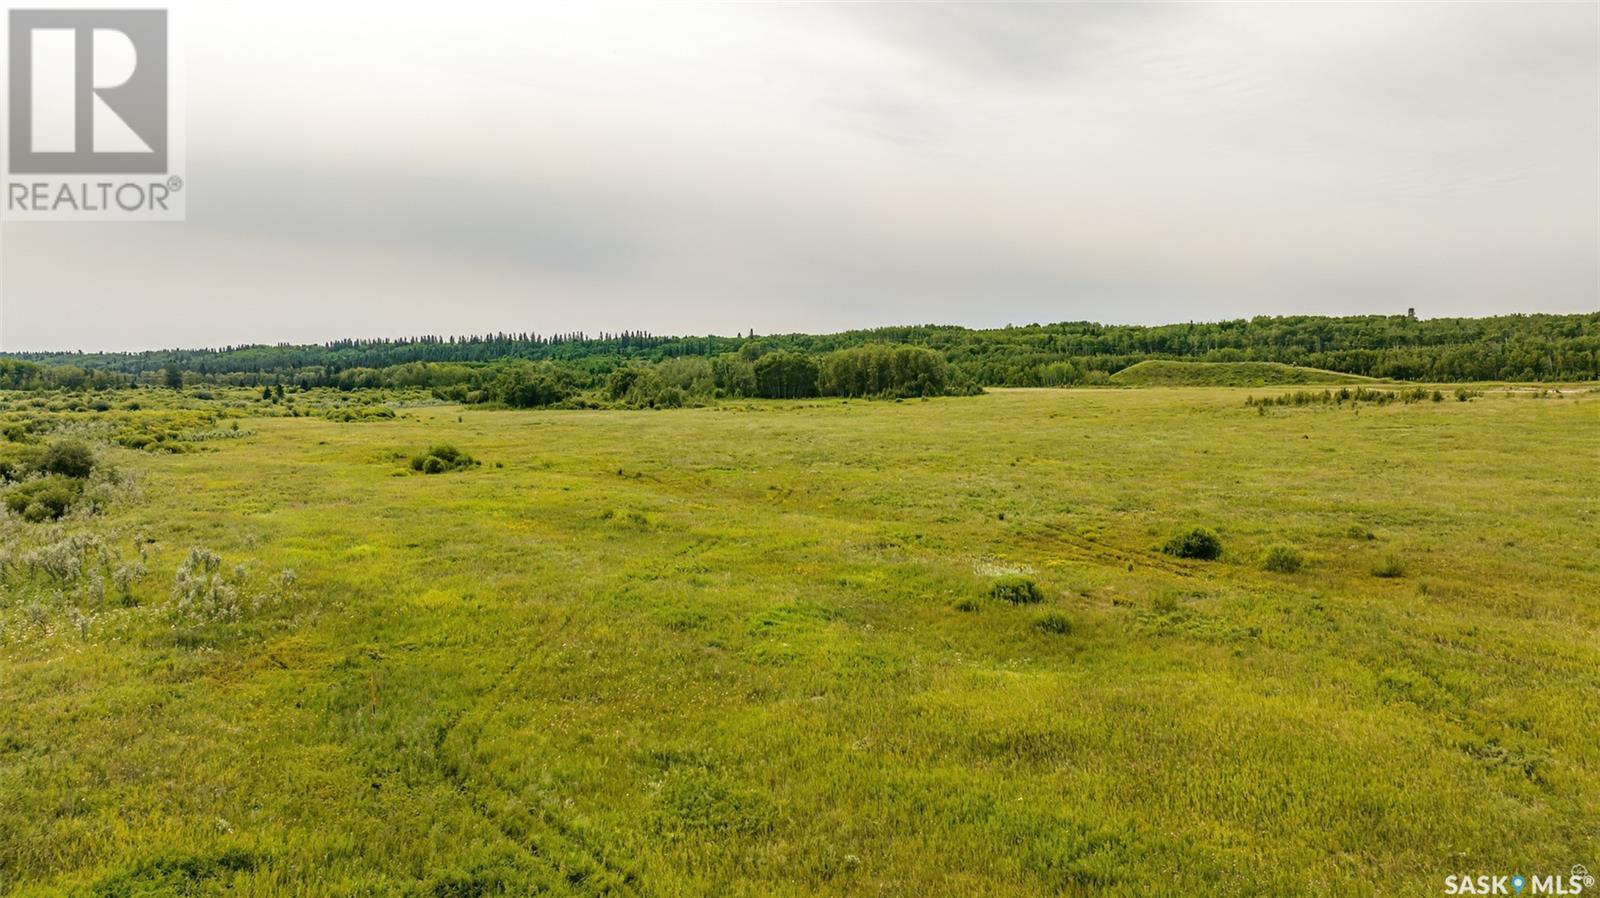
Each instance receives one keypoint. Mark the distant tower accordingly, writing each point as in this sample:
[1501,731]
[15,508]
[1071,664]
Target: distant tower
[1411,313]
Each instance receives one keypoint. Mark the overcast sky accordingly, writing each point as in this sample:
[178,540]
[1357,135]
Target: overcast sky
[384,169]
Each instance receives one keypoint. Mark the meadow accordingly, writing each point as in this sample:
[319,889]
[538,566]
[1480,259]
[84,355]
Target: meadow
[828,647]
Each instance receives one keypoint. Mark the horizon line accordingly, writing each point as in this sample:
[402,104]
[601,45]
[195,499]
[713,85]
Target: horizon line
[614,336]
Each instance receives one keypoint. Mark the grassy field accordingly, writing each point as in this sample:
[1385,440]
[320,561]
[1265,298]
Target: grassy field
[1164,373]
[751,650]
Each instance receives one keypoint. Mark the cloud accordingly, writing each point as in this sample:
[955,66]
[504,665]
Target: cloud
[507,221]
[696,167]
[1015,43]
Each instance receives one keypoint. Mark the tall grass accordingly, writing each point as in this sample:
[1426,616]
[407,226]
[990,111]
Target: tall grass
[743,667]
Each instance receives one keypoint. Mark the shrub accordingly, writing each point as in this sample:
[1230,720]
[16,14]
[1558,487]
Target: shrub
[633,518]
[880,370]
[966,605]
[1198,542]
[1053,622]
[45,499]
[1390,567]
[69,458]
[1281,559]
[201,591]
[15,466]
[785,375]
[527,385]
[1016,589]
[356,415]
[439,459]
[668,384]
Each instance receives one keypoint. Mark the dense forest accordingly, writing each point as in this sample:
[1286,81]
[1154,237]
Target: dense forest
[640,368]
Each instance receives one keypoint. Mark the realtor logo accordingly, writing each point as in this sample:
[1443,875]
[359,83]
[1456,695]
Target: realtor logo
[93,131]
[88,91]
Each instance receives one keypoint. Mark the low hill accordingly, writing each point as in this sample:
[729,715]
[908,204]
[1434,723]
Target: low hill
[1165,373]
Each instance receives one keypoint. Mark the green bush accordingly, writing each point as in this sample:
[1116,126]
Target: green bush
[442,458]
[69,458]
[45,499]
[1016,589]
[1391,567]
[654,386]
[1053,622]
[1198,542]
[529,385]
[884,371]
[1282,559]
[363,413]
[785,375]
[16,465]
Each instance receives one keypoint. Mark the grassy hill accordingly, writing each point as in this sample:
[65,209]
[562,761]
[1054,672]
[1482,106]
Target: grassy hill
[1163,373]
[758,650]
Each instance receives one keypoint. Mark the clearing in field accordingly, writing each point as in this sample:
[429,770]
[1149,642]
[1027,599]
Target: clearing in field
[1166,373]
[925,648]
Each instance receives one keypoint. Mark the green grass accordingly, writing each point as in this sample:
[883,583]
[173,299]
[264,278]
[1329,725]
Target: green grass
[749,650]
[1164,373]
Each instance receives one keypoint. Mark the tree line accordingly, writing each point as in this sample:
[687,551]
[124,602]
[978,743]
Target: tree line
[1402,347]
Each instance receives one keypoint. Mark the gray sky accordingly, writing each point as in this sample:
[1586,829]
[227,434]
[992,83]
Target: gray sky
[384,169]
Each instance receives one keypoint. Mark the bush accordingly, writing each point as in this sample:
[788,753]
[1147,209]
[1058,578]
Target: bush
[884,371]
[45,499]
[1390,567]
[785,375]
[202,592]
[69,458]
[356,415]
[527,385]
[1053,622]
[1016,589]
[439,459]
[16,466]
[1198,542]
[648,386]
[1281,559]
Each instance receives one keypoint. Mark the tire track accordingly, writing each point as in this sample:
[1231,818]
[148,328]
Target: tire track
[1058,538]
[573,863]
